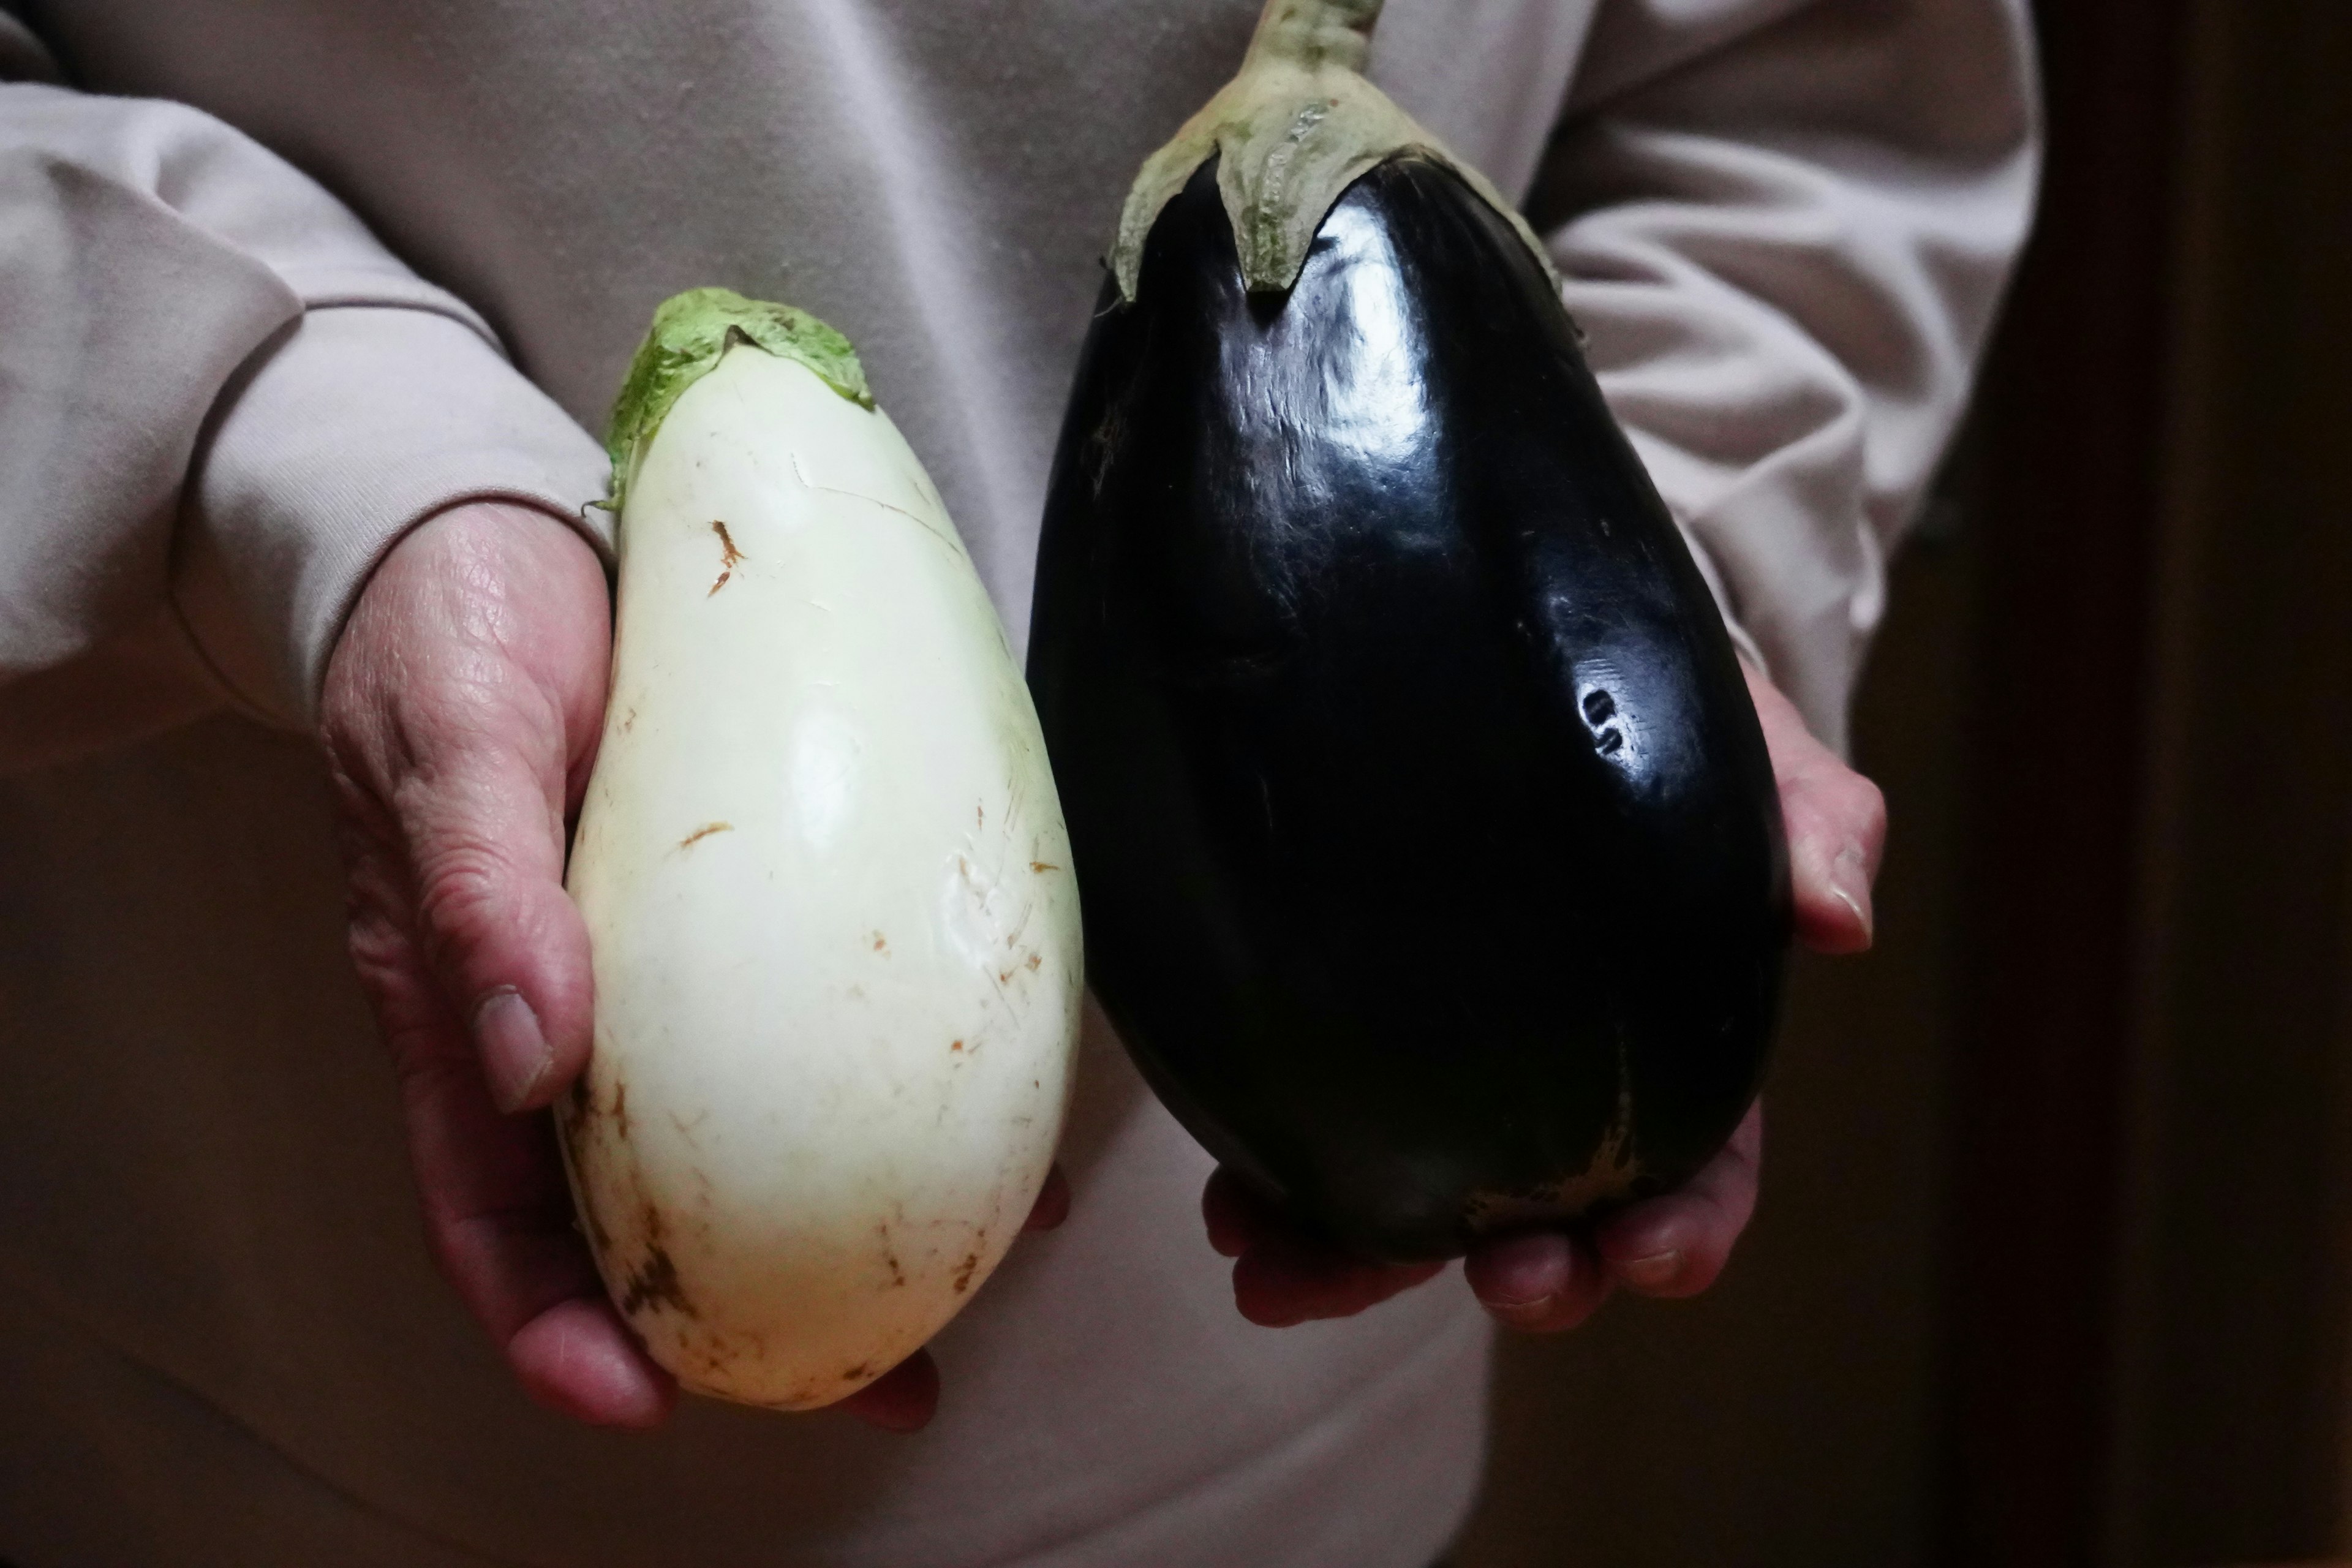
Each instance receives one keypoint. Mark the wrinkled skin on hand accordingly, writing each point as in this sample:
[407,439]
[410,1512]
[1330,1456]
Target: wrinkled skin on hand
[1671,1245]
[461,715]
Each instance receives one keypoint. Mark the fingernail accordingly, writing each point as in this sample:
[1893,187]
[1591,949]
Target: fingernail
[1850,885]
[515,1058]
[1651,1272]
[1520,1278]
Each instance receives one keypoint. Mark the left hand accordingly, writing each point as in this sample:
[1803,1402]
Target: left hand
[1673,1244]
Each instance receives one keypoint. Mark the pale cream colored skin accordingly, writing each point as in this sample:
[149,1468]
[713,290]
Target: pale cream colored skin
[829,898]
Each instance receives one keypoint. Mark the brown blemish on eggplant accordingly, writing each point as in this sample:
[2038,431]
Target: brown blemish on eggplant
[573,1129]
[1612,1177]
[621,1111]
[880,945]
[964,1270]
[655,1283]
[628,721]
[728,557]
[863,1369]
[703,832]
[955,1045]
[891,1256]
[1035,959]
[1042,867]
[586,1103]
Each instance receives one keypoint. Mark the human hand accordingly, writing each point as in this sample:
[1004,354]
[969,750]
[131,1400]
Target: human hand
[1673,1244]
[461,715]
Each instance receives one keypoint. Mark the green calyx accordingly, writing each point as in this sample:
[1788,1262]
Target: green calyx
[690,334]
[1294,128]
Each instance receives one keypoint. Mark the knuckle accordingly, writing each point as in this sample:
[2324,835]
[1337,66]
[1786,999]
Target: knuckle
[378,954]
[462,892]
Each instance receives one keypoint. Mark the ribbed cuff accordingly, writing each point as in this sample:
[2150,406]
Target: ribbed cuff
[363,421]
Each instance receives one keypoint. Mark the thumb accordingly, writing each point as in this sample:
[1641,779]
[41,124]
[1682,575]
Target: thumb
[1836,822]
[486,846]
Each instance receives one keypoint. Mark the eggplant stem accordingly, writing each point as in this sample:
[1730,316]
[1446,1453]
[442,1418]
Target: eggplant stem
[1313,34]
[1295,127]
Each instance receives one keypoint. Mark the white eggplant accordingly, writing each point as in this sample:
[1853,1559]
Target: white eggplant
[827,886]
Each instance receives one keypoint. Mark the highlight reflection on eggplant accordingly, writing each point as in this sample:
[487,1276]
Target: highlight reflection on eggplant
[1432,859]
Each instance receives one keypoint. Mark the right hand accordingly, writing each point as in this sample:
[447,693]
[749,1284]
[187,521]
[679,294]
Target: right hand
[462,710]
[1674,1244]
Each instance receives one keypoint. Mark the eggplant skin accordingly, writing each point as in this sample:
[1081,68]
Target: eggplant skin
[1430,857]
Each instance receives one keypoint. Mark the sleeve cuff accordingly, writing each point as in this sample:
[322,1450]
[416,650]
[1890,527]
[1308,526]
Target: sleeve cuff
[360,423]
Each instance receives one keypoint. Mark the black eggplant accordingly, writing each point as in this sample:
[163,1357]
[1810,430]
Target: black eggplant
[1430,857]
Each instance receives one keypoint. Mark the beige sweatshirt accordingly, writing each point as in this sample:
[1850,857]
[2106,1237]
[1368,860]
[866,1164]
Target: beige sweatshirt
[280,277]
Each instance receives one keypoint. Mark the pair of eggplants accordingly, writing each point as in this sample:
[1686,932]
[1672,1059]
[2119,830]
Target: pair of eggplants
[1432,864]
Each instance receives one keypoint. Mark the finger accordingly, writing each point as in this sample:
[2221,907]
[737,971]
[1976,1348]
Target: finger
[903,1399]
[1542,1282]
[498,1222]
[1053,1205]
[1285,1277]
[1235,1214]
[1677,1245]
[498,1212]
[1836,822]
[578,1358]
[1282,1281]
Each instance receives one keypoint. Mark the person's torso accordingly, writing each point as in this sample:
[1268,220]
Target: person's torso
[198,1162]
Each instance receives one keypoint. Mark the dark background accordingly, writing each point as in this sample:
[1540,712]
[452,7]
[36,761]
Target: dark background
[2054,1264]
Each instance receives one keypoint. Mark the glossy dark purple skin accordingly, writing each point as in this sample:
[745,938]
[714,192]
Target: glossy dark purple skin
[1418,804]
